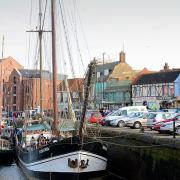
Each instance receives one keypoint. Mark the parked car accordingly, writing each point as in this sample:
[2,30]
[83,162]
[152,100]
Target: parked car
[94,117]
[123,112]
[156,127]
[138,122]
[172,110]
[120,122]
[155,117]
[167,127]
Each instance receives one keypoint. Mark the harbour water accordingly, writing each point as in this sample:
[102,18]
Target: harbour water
[13,172]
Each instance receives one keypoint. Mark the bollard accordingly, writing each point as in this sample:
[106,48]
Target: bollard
[174,129]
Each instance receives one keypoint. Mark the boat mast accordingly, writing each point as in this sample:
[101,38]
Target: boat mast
[40,32]
[40,57]
[1,83]
[91,69]
[54,68]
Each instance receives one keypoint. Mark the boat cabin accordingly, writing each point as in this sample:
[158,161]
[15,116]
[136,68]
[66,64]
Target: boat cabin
[36,133]
[5,144]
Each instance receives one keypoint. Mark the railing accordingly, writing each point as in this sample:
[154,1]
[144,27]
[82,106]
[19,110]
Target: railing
[4,144]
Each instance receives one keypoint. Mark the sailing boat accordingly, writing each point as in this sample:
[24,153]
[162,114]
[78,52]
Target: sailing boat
[74,157]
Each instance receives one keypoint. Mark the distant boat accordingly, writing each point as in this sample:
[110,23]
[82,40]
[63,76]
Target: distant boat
[7,152]
[44,153]
[7,144]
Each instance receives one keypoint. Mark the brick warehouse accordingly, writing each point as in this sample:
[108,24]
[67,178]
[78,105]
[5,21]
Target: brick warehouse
[21,87]
[6,67]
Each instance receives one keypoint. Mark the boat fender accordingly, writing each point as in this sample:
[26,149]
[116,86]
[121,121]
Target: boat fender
[72,163]
[104,147]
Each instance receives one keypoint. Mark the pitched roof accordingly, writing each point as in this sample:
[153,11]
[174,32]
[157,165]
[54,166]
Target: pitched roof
[101,67]
[141,73]
[9,58]
[33,73]
[111,65]
[159,77]
[75,84]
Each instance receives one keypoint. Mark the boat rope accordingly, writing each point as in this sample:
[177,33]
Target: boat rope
[134,146]
[67,38]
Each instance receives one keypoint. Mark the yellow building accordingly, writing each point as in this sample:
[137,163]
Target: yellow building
[123,71]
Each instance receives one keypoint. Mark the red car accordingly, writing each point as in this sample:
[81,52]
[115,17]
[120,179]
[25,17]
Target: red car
[156,127]
[95,117]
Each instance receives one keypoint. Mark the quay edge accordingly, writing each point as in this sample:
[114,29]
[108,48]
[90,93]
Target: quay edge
[148,138]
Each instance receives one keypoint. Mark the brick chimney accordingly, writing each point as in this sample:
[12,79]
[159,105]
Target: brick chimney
[122,57]
[166,67]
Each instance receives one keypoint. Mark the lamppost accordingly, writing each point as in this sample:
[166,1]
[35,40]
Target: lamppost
[103,80]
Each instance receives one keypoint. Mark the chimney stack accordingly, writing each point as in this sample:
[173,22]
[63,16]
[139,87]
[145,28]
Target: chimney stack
[166,67]
[122,57]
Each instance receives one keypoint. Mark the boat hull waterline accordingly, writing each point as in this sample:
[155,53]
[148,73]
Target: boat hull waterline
[64,159]
[60,163]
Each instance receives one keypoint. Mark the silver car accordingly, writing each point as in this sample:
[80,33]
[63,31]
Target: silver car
[121,121]
[138,122]
[155,117]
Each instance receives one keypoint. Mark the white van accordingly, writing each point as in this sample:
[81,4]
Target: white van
[123,112]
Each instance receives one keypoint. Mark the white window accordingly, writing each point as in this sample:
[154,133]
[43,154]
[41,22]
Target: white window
[106,72]
[98,74]
[138,91]
[153,90]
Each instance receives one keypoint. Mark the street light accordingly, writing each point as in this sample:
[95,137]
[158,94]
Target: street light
[103,78]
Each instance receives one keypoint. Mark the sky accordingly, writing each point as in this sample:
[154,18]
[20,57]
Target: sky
[147,30]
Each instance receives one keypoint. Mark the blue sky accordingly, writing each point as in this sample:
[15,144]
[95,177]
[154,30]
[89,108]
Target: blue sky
[147,29]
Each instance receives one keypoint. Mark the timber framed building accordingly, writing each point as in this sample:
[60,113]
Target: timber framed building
[158,89]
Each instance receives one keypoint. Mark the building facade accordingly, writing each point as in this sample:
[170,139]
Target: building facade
[6,67]
[157,89]
[113,83]
[22,92]
[177,92]
[73,88]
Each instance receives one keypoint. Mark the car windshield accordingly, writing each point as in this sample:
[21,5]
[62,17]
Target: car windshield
[171,116]
[152,116]
[116,113]
[142,115]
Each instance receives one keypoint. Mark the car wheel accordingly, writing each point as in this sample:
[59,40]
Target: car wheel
[137,125]
[121,124]
[178,130]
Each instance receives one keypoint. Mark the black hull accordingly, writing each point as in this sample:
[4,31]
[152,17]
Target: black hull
[34,160]
[63,176]
[7,156]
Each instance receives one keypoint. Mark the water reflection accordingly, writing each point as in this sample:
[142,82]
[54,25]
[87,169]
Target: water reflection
[11,172]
